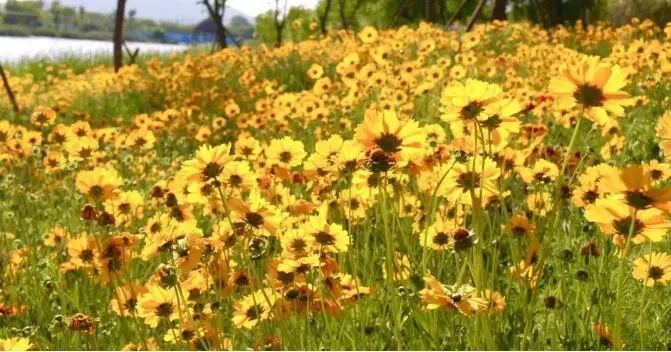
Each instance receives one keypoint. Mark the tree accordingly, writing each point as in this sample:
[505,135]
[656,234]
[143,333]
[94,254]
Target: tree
[240,28]
[118,34]
[22,13]
[280,21]
[55,11]
[217,9]
[347,10]
[431,8]
[343,14]
[323,18]
[131,20]
[499,10]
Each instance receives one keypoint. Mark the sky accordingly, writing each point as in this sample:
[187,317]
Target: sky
[183,11]
[256,7]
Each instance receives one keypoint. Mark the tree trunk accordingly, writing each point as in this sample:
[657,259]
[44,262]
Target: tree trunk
[324,17]
[475,15]
[118,34]
[431,11]
[217,12]
[499,11]
[279,24]
[343,14]
[555,12]
[540,14]
[442,11]
[221,34]
[402,8]
[278,40]
[8,89]
[457,13]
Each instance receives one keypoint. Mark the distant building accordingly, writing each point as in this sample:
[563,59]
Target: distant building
[206,32]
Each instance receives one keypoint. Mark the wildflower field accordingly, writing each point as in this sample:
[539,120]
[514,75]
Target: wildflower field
[416,188]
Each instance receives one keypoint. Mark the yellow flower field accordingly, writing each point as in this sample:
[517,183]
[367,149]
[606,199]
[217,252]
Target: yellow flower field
[415,188]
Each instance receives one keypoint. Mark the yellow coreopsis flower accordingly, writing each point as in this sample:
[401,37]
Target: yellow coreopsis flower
[368,34]
[286,153]
[470,102]
[43,116]
[207,166]
[15,344]
[158,304]
[99,184]
[595,86]
[653,269]
[252,309]
[388,140]
[618,219]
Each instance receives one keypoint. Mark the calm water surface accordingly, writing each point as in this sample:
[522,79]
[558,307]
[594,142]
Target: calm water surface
[13,49]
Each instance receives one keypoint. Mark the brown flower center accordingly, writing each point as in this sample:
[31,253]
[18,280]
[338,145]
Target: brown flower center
[164,310]
[441,239]
[589,95]
[389,143]
[324,238]
[655,273]
[471,111]
[211,170]
[254,219]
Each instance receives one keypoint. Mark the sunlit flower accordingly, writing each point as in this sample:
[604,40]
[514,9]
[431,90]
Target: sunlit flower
[595,86]
[653,269]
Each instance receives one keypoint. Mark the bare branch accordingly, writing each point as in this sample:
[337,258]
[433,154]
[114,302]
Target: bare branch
[132,55]
[457,13]
[476,14]
[8,89]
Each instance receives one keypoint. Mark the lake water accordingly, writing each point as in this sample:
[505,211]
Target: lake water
[13,49]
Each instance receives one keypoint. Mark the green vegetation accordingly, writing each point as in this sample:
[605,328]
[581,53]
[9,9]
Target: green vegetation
[24,18]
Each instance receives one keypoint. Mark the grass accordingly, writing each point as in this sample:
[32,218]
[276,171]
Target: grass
[147,123]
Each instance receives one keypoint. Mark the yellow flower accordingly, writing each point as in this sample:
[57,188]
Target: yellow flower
[368,34]
[141,139]
[296,243]
[232,109]
[82,250]
[653,269]
[125,301]
[286,153]
[315,71]
[634,186]
[475,177]
[593,85]
[438,236]
[208,165]
[542,172]
[158,304]
[99,184]
[520,226]
[470,102]
[252,309]
[43,116]
[462,298]
[328,238]
[126,207]
[389,141]
[618,219]
[15,344]
[256,212]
